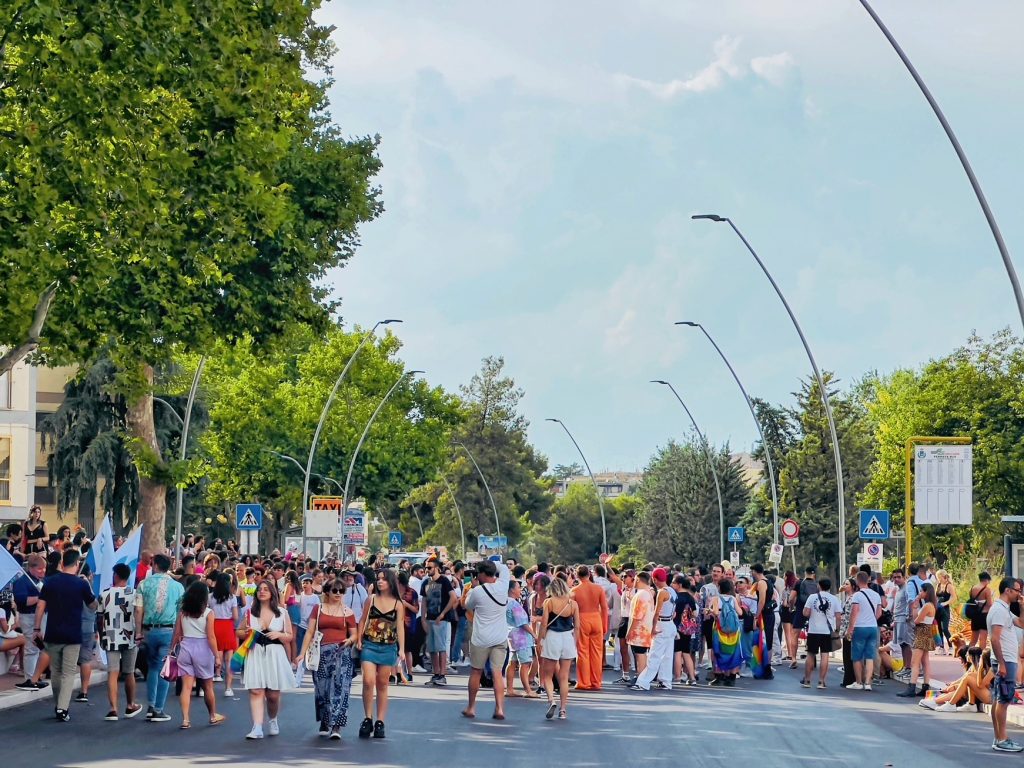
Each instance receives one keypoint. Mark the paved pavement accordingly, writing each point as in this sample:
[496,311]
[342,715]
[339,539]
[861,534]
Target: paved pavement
[762,723]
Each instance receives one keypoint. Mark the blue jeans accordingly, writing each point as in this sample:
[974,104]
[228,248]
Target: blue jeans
[460,638]
[158,642]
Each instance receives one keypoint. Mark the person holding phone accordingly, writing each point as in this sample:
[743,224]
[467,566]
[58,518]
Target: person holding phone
[999,625]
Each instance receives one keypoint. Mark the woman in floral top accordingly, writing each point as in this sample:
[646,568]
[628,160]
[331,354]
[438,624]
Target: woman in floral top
[382,643]
[640,633]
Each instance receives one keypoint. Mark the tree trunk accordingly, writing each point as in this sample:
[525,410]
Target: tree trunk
[152,494]
[13,356]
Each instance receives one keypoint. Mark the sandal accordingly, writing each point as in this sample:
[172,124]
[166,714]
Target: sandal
[217,719]
[552,708]
[561,714]
[185,725]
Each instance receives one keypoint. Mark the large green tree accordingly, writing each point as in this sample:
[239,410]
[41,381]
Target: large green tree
[572,533]
[168,178]
[679,516]
[974,392]
[494,431]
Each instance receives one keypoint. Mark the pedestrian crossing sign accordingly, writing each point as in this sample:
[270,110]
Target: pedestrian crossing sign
[737,535]
[874,524]
[248,517]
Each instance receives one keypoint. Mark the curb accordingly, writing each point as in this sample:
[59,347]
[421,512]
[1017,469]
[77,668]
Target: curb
[15,698]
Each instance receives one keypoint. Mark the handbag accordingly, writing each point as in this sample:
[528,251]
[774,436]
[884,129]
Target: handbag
[837,639]
[312,659]
[169,671]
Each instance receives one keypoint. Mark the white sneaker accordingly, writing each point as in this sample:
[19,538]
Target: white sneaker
[273,729]
[419,668]
[707,665]
[255,733]
[867,687]
[218,679]
[928,704]
[855,687]
[947,707]
[229,693]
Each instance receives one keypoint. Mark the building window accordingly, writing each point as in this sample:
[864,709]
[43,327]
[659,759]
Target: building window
[5,391]
[5,469]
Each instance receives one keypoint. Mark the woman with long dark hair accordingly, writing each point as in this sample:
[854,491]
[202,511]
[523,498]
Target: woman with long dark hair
[381,642]
[267,670]
[333,675]
[789,582]
[922,610]
[33,532]
[224,605]
[197,651]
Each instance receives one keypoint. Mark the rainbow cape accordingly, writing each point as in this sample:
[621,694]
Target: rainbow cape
[728,651]
[758,661]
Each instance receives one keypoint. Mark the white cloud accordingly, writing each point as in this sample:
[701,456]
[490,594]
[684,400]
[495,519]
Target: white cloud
[775,69]
[723,68]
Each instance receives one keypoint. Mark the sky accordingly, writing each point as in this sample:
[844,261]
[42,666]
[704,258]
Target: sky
[541,162]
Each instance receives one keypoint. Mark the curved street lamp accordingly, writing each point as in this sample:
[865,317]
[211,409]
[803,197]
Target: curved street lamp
[597,489]
[462,531]
[323,418]
[975,184]
[711,463]
[757,422]
[180,501]
[840,485]
[497,526]
[359,445]
[295,461]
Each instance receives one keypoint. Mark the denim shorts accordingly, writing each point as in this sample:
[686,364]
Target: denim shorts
[864,643]
[1003,688]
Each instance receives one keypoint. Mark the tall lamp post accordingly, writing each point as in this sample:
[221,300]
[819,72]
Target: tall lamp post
[757,422]
[293,460]
[180,501]
[597,489]
[840,485]
[497,526]
[975,184]
[359,445]
[462,531]
[323,418]
[711,463]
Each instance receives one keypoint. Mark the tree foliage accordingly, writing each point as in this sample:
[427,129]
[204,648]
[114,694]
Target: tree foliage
[678,518]
[572,533]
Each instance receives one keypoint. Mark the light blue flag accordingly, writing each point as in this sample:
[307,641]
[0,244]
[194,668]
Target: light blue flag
[100,557]
[9,568]
[128,553]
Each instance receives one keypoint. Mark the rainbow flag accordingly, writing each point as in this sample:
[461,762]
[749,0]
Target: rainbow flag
[758,660]
[728,651]
[238,657]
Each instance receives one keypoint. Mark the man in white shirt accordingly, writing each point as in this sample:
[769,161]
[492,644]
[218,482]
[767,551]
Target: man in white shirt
[822,611]
[1005,650]
[488,643]
[863,632]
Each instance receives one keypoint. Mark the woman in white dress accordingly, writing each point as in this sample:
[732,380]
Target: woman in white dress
[267,669]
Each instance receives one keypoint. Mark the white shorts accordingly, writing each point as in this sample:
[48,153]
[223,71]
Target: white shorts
[558,646]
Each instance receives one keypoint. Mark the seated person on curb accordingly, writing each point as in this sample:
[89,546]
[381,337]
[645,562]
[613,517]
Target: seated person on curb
[974,688]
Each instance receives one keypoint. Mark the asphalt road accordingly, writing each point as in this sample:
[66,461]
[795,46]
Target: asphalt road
[759,723]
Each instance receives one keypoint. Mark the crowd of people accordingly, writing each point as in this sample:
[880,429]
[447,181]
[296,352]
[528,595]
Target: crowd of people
[220,618]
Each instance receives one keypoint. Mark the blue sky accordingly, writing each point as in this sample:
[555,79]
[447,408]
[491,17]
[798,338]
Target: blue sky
[542,160]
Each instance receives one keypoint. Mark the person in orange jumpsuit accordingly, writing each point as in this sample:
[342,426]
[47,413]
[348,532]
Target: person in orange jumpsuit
[593,603]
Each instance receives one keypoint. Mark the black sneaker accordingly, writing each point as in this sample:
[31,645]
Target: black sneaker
[431,680]
[150,712]
[82,698]
[27,685]
[366,728]
[716,681]
[378,729]
[159,717]
[42,684]
[63,716]
[111,716]
[441,680]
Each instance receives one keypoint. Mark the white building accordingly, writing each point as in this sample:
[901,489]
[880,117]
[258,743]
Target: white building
[611,484]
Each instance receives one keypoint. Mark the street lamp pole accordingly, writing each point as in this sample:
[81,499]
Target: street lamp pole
[359,445]
[180,501]
[295,461]
[597,489]
[462,531]
[975,184]
[711,463]
[840,485]
[757,422]
[497,526]
[323,418]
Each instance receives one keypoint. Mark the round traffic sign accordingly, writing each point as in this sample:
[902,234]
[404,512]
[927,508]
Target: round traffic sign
[790,528]
[873,550]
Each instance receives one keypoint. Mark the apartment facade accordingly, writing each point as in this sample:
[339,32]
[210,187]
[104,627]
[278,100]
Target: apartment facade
[610,484]
[28,394]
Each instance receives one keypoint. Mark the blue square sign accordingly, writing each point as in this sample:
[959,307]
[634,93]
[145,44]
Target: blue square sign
[248,517]
[737,535]
[874,524]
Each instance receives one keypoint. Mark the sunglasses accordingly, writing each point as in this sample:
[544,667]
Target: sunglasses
[336,591]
